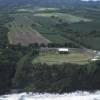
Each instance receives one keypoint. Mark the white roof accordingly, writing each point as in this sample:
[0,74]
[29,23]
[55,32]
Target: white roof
[63,49]
[94,59]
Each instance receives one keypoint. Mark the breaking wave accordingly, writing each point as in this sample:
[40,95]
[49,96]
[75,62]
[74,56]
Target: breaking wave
[67,96]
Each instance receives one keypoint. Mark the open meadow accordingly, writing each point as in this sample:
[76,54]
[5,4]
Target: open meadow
[52,58]
[64,17]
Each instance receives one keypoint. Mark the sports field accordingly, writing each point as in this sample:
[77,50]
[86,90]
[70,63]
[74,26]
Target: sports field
[77,58]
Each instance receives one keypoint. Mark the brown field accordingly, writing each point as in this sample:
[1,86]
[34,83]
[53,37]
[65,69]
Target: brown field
[26,38]
[22,33]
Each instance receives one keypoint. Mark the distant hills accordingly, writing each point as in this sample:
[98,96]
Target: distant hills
[54,3]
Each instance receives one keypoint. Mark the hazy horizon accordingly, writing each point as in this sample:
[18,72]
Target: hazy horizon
[90,0]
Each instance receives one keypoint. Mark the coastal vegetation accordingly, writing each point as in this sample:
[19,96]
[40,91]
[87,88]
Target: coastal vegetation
[24,30]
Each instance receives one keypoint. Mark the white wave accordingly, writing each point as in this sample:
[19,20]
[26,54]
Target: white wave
[66,96]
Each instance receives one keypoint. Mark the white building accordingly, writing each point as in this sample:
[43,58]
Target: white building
[63,50]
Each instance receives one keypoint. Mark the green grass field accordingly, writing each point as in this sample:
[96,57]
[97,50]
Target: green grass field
[77,58]
[65,17]
[37,9]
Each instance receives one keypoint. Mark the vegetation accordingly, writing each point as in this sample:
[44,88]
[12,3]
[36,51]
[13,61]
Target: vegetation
[58,78]
[53,58]
[78,26]
[24,31]
[9,55]
[63,17]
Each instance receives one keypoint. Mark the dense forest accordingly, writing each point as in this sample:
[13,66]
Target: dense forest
[57,78]
[9,55]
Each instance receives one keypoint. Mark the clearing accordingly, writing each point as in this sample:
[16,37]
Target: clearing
[52,58]
[21,31]
[64,17]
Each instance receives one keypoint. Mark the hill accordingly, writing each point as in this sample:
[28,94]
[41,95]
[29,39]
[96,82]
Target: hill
[74,26]
[46,3]
[56,21]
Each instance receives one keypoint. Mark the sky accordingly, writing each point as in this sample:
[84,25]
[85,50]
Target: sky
[90,0]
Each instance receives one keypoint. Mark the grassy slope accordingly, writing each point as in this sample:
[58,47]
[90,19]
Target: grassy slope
[23,22]
[88,38]
[80,31]
[22,32]
[65,17]
[46,25]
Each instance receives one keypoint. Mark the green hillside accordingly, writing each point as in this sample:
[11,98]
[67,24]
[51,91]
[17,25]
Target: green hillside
[56,25]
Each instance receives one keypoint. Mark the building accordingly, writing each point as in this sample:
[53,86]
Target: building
[63,50]
[54,50]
